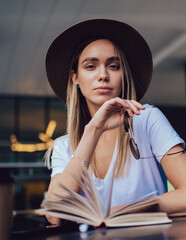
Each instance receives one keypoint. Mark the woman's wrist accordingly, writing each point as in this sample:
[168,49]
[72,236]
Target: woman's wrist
[93,130]
[86,147]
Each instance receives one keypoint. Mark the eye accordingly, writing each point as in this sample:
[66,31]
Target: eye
[90,67]
[114,67]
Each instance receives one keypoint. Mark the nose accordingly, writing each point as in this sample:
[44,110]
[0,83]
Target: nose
[103,74]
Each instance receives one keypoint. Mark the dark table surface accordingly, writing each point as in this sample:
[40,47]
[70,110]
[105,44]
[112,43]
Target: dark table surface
[174,231]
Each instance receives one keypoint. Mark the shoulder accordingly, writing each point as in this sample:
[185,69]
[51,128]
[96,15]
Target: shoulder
[154,124]
[150,115]
[60,154]
[61,144]
[150,110]
[156,129]
[61,141]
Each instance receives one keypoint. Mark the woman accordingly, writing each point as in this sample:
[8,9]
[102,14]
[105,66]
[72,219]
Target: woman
[109,66]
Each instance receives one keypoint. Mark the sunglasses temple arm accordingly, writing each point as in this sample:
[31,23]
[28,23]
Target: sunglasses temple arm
[130,129]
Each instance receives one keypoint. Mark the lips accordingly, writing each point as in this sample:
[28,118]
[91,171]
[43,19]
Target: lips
[103,88]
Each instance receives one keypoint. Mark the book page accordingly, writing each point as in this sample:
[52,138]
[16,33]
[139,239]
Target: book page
[69,208]
[94,194]
[141,206]
[138,219]
[72,203]
[76,200]
[70,217]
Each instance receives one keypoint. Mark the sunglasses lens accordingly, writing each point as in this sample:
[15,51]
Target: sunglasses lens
[134,148]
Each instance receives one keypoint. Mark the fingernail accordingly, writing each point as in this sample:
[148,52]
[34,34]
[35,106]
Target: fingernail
[138,112]
[132,114]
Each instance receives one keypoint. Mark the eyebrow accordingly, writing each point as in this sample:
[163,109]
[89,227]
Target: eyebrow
[113,59]
[93,59]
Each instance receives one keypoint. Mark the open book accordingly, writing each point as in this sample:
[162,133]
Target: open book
[92,211]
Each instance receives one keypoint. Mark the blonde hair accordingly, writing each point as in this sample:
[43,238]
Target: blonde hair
[78,113]
[128,92]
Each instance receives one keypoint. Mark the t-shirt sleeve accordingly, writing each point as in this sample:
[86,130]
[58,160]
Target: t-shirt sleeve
[60,156]
[162,136]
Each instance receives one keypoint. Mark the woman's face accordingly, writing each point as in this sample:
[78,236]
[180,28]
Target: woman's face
[99,74]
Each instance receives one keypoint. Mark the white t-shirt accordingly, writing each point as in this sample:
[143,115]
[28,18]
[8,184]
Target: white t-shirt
[154,136]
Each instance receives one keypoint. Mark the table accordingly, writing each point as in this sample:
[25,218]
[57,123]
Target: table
[174,231]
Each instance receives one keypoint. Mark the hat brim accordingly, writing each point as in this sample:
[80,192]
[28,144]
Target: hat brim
[137,51]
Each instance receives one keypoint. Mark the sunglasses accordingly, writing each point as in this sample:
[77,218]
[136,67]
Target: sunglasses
[133,145]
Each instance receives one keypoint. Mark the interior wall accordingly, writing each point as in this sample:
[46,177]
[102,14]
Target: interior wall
[167,86]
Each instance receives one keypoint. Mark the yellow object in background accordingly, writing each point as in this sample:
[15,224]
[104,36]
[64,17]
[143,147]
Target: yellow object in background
[45,137]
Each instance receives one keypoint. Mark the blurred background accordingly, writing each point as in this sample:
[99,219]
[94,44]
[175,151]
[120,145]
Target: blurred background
[31,116]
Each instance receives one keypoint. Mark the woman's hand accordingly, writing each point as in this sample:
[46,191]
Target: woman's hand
[110,114]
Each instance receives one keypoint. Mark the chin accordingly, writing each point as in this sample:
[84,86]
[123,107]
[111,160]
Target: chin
[99,100]
[103,99]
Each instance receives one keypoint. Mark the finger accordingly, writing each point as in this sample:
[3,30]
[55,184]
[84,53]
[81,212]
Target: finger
[132,108]
[127,104]
[130,112]
[116,104]
[138,105]
[119,102]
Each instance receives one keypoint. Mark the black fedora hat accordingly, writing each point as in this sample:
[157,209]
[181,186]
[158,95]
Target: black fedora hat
[136,49]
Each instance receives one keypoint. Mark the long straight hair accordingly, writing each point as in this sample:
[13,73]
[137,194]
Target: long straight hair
[78,114]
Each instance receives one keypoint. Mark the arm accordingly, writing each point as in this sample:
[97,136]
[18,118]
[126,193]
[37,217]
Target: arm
[89,138]
[162,138]
[175,170]
[107,117]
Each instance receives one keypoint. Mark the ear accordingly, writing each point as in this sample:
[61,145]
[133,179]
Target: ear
[74,77]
